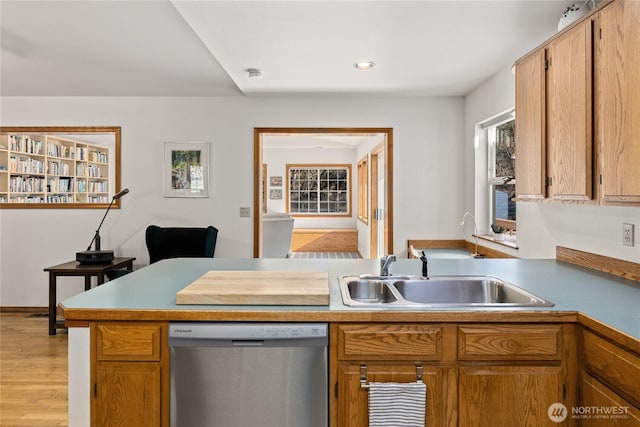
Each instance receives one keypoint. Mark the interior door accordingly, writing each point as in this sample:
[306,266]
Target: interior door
[381,213]
[379,201]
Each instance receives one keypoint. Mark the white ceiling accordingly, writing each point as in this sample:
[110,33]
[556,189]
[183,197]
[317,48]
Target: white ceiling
[203,47]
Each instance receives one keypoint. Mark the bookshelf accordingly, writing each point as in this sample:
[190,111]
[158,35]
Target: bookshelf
[52,169]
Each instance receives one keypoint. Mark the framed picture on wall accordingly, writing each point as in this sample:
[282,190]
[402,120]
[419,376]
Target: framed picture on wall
[275,194]
[275,181]
[186,169]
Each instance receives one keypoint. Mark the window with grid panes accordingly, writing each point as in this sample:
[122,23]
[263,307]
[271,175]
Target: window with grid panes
[319,189]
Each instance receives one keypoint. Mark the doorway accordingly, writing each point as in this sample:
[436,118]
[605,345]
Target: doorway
[379,230]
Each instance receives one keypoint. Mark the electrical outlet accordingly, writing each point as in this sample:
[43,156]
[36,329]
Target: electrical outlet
[245,212]
[627,234]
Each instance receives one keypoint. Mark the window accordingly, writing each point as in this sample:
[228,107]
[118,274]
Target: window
[502,172]
[363,189]
[319,190]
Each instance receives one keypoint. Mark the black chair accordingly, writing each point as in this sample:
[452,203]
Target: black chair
[180,242]
[176,242]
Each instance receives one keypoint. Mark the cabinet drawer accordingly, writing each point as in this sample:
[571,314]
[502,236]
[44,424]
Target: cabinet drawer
[615,366]
[390,342]
[139,342]
[509,342]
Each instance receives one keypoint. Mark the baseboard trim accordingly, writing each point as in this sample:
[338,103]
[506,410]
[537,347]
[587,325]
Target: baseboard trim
[10,309]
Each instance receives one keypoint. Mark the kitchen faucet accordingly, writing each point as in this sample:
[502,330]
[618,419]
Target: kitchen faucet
[385,262]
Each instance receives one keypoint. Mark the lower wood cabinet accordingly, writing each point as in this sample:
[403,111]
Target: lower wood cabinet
[508,395]
[353,407]
[609,383]
[476,374]
[127,394]
[602,407]
[130,374]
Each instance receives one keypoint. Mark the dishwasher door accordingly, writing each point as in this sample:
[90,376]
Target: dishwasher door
[249,374]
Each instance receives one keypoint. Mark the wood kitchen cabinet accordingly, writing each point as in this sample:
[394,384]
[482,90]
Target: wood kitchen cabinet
[531,136]
[554,119]
[569,121]
[578,111]
[508,395]
[512,374]
[130,374]
[595,394]
[617,96]
[365,353]
[476,374]
[610,394]
[353,407]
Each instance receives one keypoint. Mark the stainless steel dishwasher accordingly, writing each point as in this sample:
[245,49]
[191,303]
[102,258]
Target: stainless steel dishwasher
[249,374]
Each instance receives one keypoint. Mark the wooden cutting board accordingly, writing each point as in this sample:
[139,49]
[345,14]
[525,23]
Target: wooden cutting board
[257,288]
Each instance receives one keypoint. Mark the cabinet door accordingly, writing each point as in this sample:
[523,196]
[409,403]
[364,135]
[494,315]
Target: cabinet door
[127,394]
[617,92]
[530,127]
[569,116]
[130,371]
[508,395]
[353,401]
[601,407]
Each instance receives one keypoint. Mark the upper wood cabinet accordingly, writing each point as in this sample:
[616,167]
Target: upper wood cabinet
[554,119]
[568,90]
[578,111]
[531,160]
[617,96]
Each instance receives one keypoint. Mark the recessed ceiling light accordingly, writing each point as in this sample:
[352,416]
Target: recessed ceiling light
[364,65]
[254,73]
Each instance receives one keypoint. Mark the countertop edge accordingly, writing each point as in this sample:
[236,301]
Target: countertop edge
[284,315]
[601,328]
[78,316]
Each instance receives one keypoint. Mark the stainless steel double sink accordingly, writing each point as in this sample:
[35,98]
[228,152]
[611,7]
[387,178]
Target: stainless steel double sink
[436,291]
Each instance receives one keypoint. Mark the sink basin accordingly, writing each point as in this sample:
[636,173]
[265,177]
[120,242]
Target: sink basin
[371,292]
[437,291]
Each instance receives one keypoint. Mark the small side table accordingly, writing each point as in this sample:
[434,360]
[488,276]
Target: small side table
[74,268]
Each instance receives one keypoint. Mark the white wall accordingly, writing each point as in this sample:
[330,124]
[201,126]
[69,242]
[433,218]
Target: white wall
[543,226]
[429,173]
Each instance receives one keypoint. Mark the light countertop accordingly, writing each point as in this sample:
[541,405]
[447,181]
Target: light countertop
[149,293]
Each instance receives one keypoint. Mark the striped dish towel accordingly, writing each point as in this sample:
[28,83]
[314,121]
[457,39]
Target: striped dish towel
[397,404]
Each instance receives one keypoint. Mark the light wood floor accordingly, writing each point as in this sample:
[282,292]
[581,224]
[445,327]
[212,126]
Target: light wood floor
[33,372]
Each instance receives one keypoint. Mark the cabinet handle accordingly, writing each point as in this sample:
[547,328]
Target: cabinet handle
[95,390]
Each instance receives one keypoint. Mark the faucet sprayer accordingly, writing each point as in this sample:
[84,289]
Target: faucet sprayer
[425,267]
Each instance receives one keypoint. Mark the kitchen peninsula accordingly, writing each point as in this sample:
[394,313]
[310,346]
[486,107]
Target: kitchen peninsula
[473,359]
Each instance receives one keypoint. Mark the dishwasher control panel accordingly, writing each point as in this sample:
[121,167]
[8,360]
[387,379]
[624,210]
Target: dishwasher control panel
[246,330]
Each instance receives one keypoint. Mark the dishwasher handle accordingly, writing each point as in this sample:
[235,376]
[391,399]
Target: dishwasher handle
[247,343]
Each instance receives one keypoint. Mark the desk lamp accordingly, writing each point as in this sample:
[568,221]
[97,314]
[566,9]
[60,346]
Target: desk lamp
[98,256]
